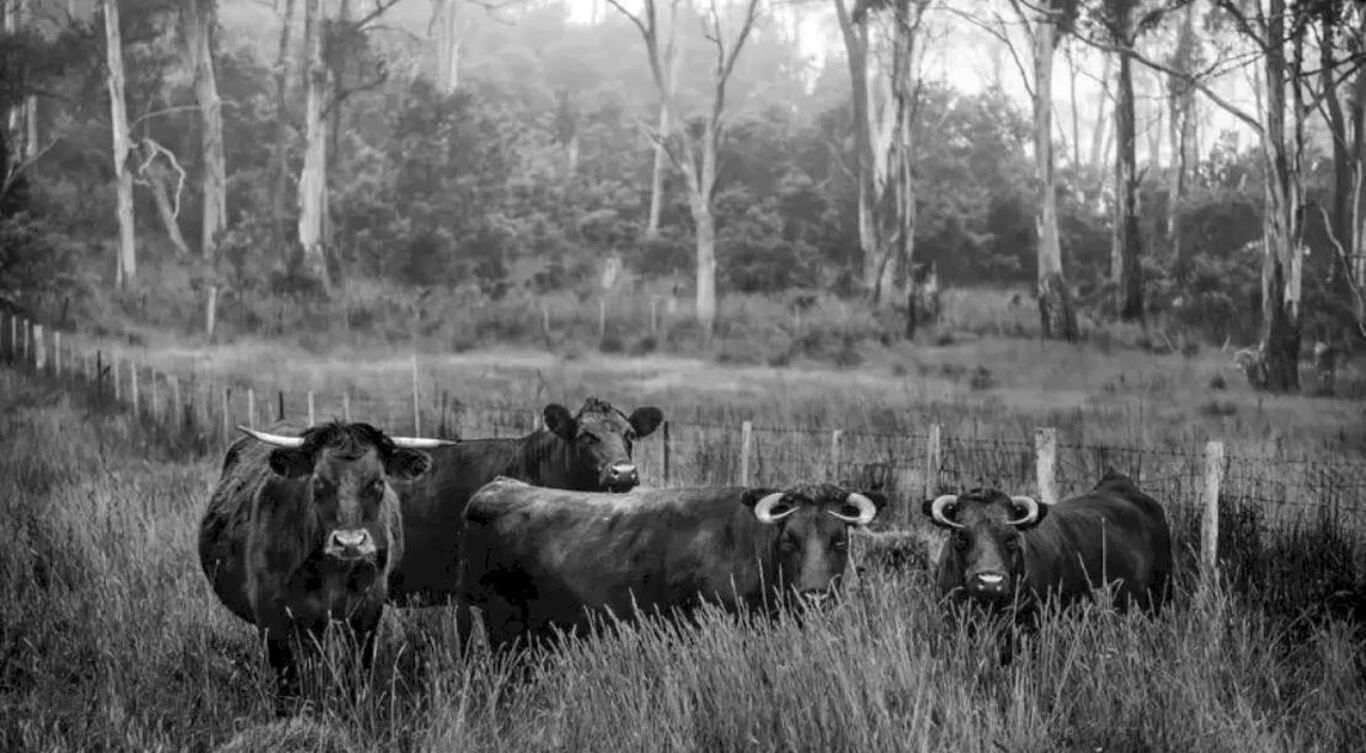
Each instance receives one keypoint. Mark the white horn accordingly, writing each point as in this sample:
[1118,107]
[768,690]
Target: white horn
[1031,510]
[279,440]
[940,504]
[421,443]
[866,510]
[763,509]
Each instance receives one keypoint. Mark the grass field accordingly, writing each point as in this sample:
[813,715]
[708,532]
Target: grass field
[112,641]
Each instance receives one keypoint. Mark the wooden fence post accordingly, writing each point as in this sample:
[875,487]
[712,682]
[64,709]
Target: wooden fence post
[602,318]
[28,334]
[226,425]
[133,386]
[39,349]
[666,453]
[1046,463]
[346,406]
[312,418]
[114,369]
[251,408]
[13,338]
[178,419]
[836,437]
[1209,526]
[654,316]
[746,438]
[57,353]
[154,396]
[933,461]
[417,405]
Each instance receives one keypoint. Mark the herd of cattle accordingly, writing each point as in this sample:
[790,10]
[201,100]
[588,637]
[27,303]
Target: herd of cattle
[544,532]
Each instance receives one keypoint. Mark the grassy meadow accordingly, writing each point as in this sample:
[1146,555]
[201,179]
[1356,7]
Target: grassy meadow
[113,641]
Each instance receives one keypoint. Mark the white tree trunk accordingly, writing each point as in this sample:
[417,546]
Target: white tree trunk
[313,178]
[1055,303]
[118,116]
[22,118]
[445,18]
[198,18]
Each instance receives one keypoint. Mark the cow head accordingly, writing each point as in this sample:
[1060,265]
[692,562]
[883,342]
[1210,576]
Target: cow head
[600,440]
[345,469]
[810,533]
[985,553]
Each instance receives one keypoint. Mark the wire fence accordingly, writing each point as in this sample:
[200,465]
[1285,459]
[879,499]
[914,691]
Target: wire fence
[908,466]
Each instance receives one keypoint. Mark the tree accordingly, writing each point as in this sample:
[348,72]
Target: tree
[123,147]
[672,62]
[1056,314]
[313,178]
[692,143]
[883,105]
[284,74]
[446,25]
[1182,122]
[197,21]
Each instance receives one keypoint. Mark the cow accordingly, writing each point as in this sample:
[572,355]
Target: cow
[589,451]
[539,560]
[1012,554]
[305,528]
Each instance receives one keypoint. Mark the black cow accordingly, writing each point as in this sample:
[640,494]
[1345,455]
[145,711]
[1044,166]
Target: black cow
[590,451]
[1013,553]
[538,559]
[305,529]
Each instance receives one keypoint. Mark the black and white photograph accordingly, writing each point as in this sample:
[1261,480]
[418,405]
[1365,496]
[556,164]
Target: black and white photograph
[683,375]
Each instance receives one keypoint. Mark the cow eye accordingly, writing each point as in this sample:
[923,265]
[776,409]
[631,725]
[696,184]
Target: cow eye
[1012,543]
[376,487]
[589,438]
[323,485]
[841,544]
[630,436]
[961,540]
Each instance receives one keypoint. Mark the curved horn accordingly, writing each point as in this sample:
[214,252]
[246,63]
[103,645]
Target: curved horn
[866,510]
[1031,508]
[763,509]
[279,440]
[421,443]
[940,505]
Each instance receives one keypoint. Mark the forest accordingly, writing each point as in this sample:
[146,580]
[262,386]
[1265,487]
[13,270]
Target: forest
[808,172]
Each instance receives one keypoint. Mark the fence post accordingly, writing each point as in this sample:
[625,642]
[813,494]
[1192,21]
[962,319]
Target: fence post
[602,318]
[225,428]
[57,353]
[417,406]
[133,386]
[178,418]
[28,333]
[155,396]
[933,461]
[251,408]
[346,406]
[13,338]
[311,418]
[654,316]
[666,453]
[746,437]
[39,348]
[1209,526]
[114,369]
[1046,463]
[279,405]
[836,437]
[545,319]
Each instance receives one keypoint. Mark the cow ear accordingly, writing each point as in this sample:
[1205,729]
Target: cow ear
[291,462]
[407,465]
[645,420]
[559,421]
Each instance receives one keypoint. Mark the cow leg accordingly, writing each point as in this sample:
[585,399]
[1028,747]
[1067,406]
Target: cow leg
[286,672]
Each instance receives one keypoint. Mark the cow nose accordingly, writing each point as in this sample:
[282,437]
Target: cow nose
[621,475]
[350,545]
[987,583]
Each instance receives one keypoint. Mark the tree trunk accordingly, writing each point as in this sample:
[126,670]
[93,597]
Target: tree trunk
[118,117]
[1358,207]
[705,227]
[1185,158]
[445,17]
[313,179]
[284,73]
[673,66]
[19,119]
[198,18]
[1340,223]
[1127,243]
[155,178]
[1056,315]
[1281,260]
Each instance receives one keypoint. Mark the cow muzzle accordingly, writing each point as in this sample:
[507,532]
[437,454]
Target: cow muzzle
[350,545]
[620,477]
[988,585]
